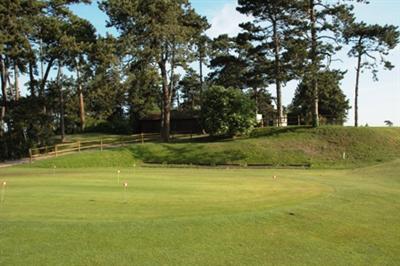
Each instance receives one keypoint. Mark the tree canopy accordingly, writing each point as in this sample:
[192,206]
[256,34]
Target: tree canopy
[161,61]
[370,44]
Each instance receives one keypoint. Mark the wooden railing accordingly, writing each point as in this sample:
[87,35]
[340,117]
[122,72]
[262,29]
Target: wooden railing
[78,146]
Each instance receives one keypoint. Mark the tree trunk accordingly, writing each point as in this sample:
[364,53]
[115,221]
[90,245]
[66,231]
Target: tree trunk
[178,101]
[3,77]
[16,84]
[255,93]
[43,84]
[62,123]
[314,65]
[166,112]
[11,86]
[277,74]
[356,90]
[45,77]
[81,100]
[41,58]
[31,79]
[4,108]
[201,71]
[172,90]
[201,58]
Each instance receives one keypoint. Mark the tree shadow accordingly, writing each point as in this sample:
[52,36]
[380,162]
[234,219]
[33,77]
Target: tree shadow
[275,131]
[202,139]
[199,155]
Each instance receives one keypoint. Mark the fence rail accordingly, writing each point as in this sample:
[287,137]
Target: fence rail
[78,146]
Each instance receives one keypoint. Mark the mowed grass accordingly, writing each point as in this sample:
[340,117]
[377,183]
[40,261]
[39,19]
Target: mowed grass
[200,216]
[325,147]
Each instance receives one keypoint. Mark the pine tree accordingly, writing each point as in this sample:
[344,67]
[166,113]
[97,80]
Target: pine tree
[333,104]
[370,45]
[161,32]
[325,22]
[274,31]
[191,88]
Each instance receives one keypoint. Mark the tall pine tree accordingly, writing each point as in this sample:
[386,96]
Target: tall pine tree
[161,32]
[274,30]
[370,44]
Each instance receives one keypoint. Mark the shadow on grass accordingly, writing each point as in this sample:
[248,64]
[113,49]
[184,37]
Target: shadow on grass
[190,154]
[275,131]
[202,139]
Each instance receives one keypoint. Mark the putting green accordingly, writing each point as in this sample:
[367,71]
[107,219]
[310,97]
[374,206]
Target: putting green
[200,217]
[89,194]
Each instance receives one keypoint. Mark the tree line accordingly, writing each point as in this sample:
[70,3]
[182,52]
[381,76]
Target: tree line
[77,80]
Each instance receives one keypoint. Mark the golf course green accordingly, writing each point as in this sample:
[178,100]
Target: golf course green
[166,216]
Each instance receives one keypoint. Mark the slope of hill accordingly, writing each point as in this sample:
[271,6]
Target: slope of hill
[325,147]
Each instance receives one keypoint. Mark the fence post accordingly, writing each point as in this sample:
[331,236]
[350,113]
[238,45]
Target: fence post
[298,120]
[79,146]
[55,150]
[30,155]
[141,136]
[101,144]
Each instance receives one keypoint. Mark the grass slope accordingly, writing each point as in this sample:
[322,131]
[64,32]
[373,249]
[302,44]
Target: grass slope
[200,217]
[322,148]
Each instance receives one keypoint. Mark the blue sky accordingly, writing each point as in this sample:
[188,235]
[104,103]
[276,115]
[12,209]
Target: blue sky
[378,101]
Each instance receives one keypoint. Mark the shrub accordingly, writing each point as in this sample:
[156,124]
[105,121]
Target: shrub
[115,126]
[227,111]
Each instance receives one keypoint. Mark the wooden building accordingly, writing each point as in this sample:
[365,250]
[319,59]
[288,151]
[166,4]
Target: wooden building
[180,123]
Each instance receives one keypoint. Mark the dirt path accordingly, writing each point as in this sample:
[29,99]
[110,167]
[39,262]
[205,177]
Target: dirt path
[12,163]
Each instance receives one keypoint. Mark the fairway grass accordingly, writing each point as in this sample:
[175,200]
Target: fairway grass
[200,216]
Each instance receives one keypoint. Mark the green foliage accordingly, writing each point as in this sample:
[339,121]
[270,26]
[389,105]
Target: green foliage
[70,104]
[276,37]
[115,125]
[27,127]
[325,23]
[228,68]
[35,35]
[190,88]
[117,81]
[372,43]
[143,86]
[388,123]
[161,33]
[263,102]
[333,104]
[227,111]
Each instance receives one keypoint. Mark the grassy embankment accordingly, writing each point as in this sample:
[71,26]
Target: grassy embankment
[321,148]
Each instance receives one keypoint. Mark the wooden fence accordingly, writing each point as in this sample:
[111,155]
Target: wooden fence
[78,146]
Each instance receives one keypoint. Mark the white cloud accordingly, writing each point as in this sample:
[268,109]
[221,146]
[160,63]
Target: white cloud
[226,21]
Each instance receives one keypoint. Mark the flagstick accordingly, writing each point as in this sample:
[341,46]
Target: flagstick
[274,185]
[3,191]
[118,172]
[125,190]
